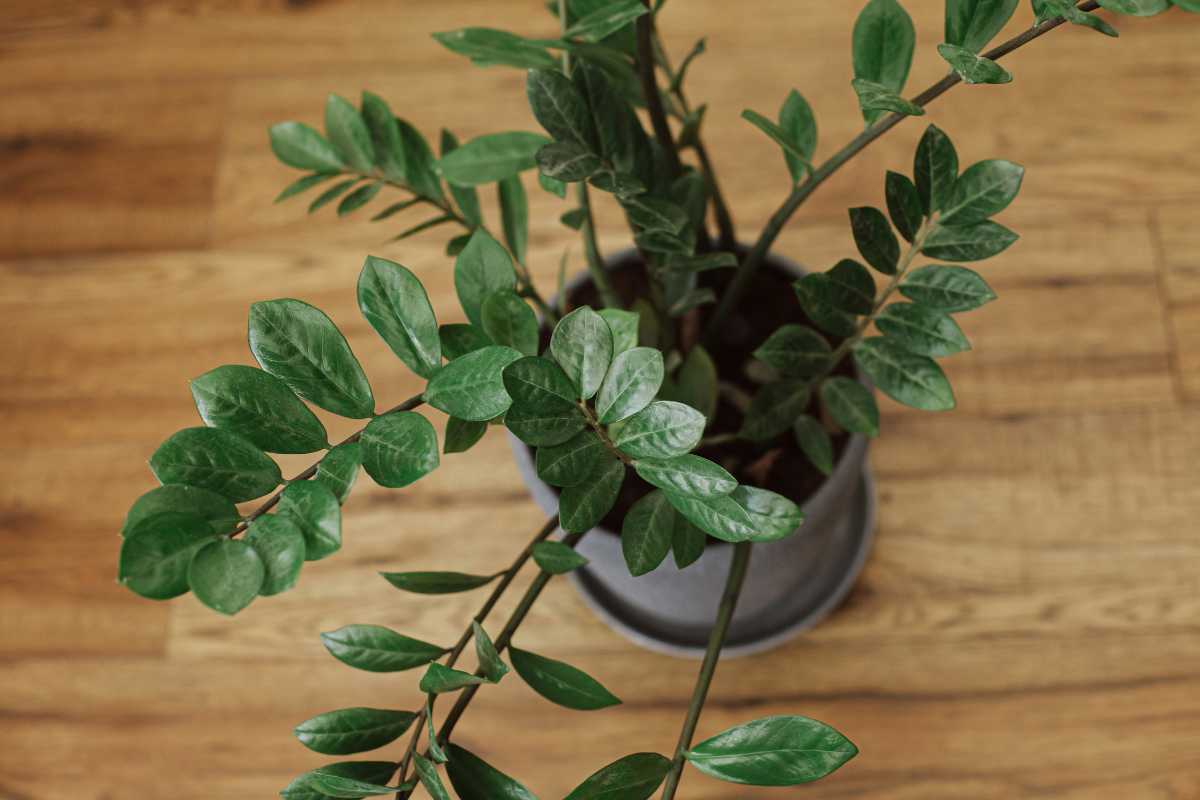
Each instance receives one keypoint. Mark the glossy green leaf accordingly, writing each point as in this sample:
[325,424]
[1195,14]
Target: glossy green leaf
[634,777]
[490,664]
[514,215]
[922,330]
[544,411]
[217,460]
[219,512]
[851,405]
[971,24]
[947,288]
[464,195]
[567,162]
[623,325]
[632,382]
[280,545]
[475,779]
[157,551]
[301,346]
[1049,9]
[774,408]
[581,507]
[373,772]
[883,44]
[968,242]
[399,449]
[377,649]
[972,68]
[395,303]
[875,239]
[982,190]
[606,20]
[793,151]
[582,344]
[907,378]
[816,294]
[301,185]
[688,475]
[486,47]
[904,204]
[348,133]
[427,772]
[618,131]
[439,679]
[338,470]
[798,121]
[572,462]
[462,435]
[687,542]
[662,242]
[358,198]
[647,533]
[654,214]
[1136,8]
[935,169]
[694,383]
[772,516]
[490,158]
[436,753]
[314,509]
[663,429]
[875,99]
[560,683]
[437,582]
[482,268]
[773,751]
[339,786]
[300,146]
[508,320]
[386,140]
[557,558]
[471,387]
[419,165]
[458,339]
[850,287]
[721,517]
[353,730]
[226,575]
[560,108]
[815,443]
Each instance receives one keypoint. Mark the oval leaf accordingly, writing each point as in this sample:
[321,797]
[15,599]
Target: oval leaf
[582,507]
[647,533]
[394,302]
[258,406]
[631,383]
[560,683]
[508,320]
[280,545]
[377,649]
[157,551]
[851,405]
[471,387]
[907,378]
[475,779]
[634,777]
[491,158]
[557,558]
[483,267]
[353,730]
[338,470]
[663,429]
[437,582]
[947,288]
[572,462]
[399,449]
[688,475]
[226,575]
[922,330]
[773,751]
[217,460]
[219,512]
[582,344]
[314,509]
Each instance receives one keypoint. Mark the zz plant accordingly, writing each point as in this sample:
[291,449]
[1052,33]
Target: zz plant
[603,394]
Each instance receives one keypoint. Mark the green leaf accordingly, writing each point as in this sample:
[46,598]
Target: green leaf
[647,533]
[465,196]
[968,242]
[581,507]
[694,383]
[280,545]
[485,651]
[567,162]
[514,213]
[486,47]
[482,268]
[157,551]
[419,166]
[793,151]
[395,208]
[458,339]
[299,146]
[572,462]
[509,321]
[457,244]
[634,777]
[1189,5]
[851,405]
[217,460]
[935,168]
[850,287]
[341,786]
[373,772]
[338,470]
[982,190]
[437,582]
[631,383]
[1136,8]
[560,683]
[304,184]
[773,751]
[687,542]
[475,779]
[314,509]
[226,575]
[797,120]
[972,68]
[471,387]
[301,346]
[618,131]
[491,158]
[662,242]
[582,344]
[947,288]
[353,730]
[623,325]
[428,775]
[874,99]
[904,204]
[435,749]
[663,429]
[922,330]
[721,517]
[377,649]
[875,239]
[557,558]
[219,512]
[815,443]
[331,194]
[439,679]
[552,185]
[816,293]
[560,108]
[907,378]
[399,448]
[258,406]
[772,515]
[358,198]
[700,263]
[544,412]
[973,23]
[385,137]
[348,133]
[653,214]
[774,409]
[884,39]
[688,475]
[606,20]
[462,435]
[395,303]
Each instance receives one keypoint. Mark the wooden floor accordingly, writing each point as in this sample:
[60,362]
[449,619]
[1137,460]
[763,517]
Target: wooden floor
[1028,626]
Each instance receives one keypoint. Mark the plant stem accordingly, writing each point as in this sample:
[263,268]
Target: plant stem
[273,500]
[654,104]
[716,640]
[602,434]
[803,190]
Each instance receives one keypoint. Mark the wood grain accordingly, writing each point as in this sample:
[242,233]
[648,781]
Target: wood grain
[1027,626]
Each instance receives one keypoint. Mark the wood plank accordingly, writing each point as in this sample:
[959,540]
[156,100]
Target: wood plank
[1179,255]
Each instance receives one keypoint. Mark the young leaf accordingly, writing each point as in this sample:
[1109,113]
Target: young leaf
[301,346]
[219,512]
[623,325]
[157,551]
[851,405]
[485,651]
[797,120]
[773,751]
[793,151]
[348,132]
[947,288]
[687,542]
[907,378]
[226,575]
[301,185]
[647,533]
[774,409]
[582,344]
[299,146]
[313,508]
[634,777]
[353,730]
[486,46]
[922,330]
[567,162]
[815,443]
[428,775]
[694,383]
[972,68]
[280,545]
[631,383]
[971,24]
[508,320]
[514,213]
[663,429]
[904,204]
[572,462]
[439,679]
[217,460]
[884,39]
[560,108]
[935,168]
[491,158]
[471,387]
[557,558]
[875,239]
[688,475]
[874,99]
[581,507]
[851,287]
[395,303]
[358,198]
[982,190]
[258,406]
[437,582]
[968,242]
[377,649]
[606,20]
[458,339]
[372,772]
[475,779]
[399,448]
[560,683]
[386,140]
[483,267]
[462,435]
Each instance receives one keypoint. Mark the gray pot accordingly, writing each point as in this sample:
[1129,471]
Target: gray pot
[792,584]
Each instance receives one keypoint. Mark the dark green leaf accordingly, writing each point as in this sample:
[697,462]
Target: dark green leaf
[439,679]
[606,20]
[582,344]
[1136,8]
[851,405]
[491,158]
[624,328]
[982,190]
[935,168]
[394,302]
[904,204]
[157,551]
[462,435]
[815,443]
[486,47]
[483,267]
[974,23]
[385,137]
[851,287]
[485,651]
[687,542]
[217,460]
[303,787]
[395,208]
[435,749]
[560,683]
[314,509]
[653,214]
[662,242]
[560,108]
[331,194]
[774,409]
[304,184]
[421,227]
[793,151]
[377,649]
[339,786]
[572,462]
[353,730]
[420,174]
[219,512]
[475,779]
[259,407]
[688,475]
[338,470]
[299,146]
[348,133]
[797,120]
[514,213]
[700,263]
[427,772]
[280,545]
[567,162]
[539,384]
[884,39]
[358,198]
[399,449]
[647,533]
[457,245]
[552,185]
[816,293]
[694,383]
[437,582]
[968,242]
[631,383]
[465,196]
[876,99]
[622,185]
[581,507]
[947,288]
[922,330]
[458,339]
[746,514]
[773,751]
[875,239]
[508,320]
[663,429]
[907,378]
[471,387]
[634,777]
[557,558]
[226,575]
[972,68]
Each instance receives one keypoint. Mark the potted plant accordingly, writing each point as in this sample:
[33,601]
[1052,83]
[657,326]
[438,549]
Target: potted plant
[699,410]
